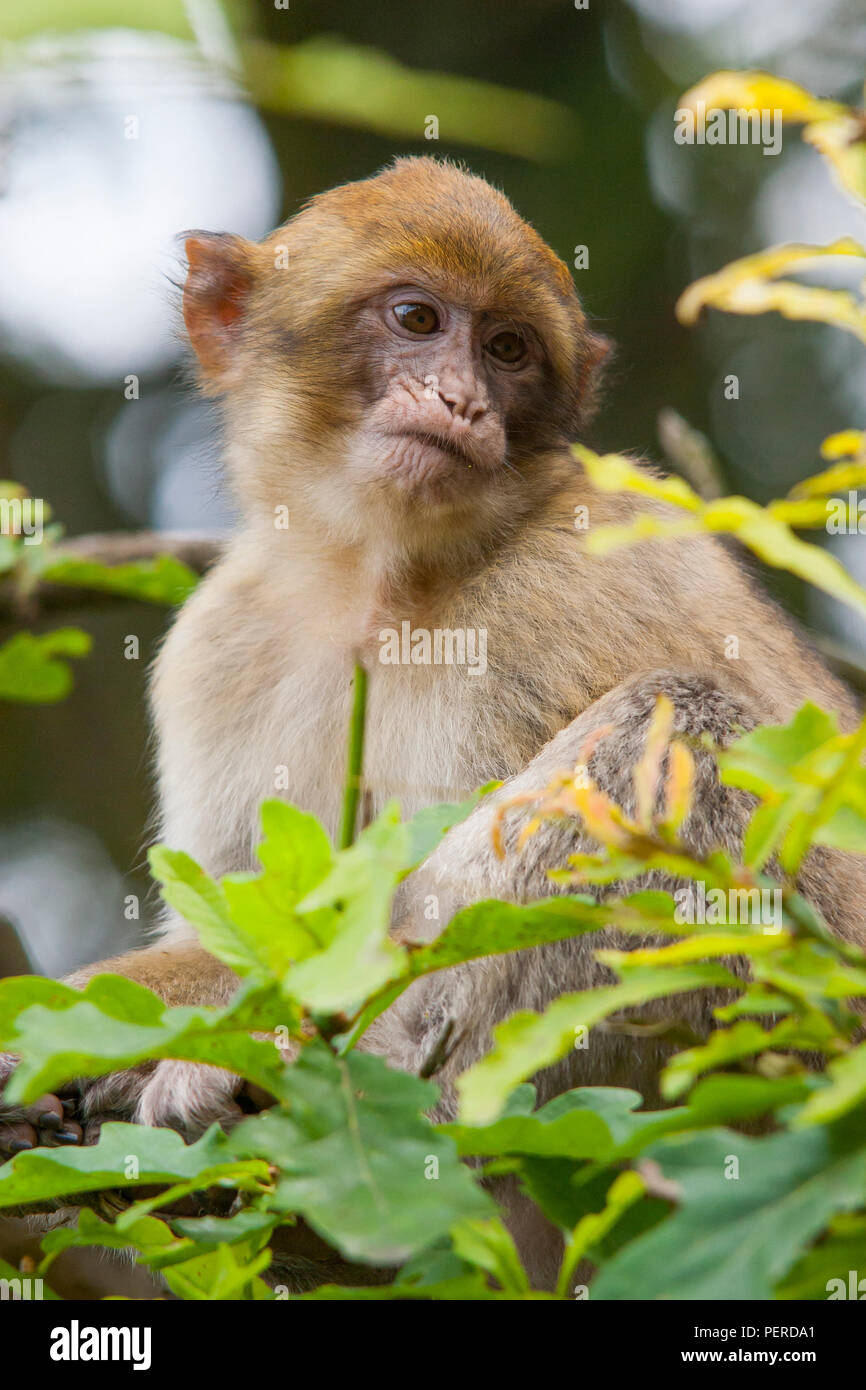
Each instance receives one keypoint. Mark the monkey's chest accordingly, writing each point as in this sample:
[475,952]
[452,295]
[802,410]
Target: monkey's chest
[427,739]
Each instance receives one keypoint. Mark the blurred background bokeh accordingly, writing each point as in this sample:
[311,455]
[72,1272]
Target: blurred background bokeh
[122,124]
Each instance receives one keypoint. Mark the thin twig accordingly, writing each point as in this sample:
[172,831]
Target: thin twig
[352,790]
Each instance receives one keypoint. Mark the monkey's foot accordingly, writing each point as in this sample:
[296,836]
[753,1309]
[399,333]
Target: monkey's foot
[47,1123]
[185,1096]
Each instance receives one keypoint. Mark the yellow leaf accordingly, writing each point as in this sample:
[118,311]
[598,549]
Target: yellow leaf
[845,443]
[765,530]
[840,478]
[678,789]
[613,473]
[646,772]
[842,142]
[772,541]
[601,539]
[837,131]
[696,948]
[761,90]
[806,513]
[750,286]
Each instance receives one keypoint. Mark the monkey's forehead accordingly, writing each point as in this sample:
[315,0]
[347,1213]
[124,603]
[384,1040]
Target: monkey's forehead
[430,221]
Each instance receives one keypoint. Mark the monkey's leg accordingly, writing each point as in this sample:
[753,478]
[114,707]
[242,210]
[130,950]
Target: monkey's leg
[465,869]
[472,998]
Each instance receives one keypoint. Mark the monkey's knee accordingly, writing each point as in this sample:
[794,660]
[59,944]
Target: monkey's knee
[704,714]
[466,866]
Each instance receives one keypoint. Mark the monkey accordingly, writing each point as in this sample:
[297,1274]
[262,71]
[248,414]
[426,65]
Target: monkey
[402,368]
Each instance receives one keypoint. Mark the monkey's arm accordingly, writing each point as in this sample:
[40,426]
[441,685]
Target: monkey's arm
[179,971]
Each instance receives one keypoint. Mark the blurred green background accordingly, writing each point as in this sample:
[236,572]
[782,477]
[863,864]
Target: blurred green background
[121,125]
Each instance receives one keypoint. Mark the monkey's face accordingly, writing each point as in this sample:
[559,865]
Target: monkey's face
[398,359]
[447,388]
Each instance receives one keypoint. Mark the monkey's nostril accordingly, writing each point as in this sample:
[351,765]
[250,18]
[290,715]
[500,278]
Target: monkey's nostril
[464,408]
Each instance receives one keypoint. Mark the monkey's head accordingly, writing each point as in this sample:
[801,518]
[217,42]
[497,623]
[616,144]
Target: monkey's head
[401,356]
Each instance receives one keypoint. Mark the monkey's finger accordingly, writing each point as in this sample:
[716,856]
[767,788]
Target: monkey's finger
[45,1113]
[71,1133]
[16,1137]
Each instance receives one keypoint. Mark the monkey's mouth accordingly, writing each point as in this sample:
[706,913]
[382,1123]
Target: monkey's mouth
[433,466]
[444,444]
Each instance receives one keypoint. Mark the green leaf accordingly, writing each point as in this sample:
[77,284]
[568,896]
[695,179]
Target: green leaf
[488,1245]
[164,579]
[115,1023]
[493,928]
[737,1236]
[843,1089]
[202,902]
[147,1234]
[250,921]
[31,668]
[528,1042]
[360,957]
[329,79]
[743,1040]
[228,1273]
[472,1287]
[25,1286]
[428,826]
[825,1271]
[589,1122]
[625,1190]
[211,1231]
[154,1155]
[357,1158]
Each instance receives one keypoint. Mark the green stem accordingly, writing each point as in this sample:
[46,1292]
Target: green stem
[352,790]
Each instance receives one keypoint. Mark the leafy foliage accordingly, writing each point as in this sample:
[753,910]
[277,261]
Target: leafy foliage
[324,78]
[32,667]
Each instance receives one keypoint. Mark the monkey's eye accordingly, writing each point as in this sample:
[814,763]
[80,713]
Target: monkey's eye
[507,347]
[417,318]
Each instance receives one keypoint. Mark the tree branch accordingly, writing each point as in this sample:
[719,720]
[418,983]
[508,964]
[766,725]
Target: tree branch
[196,549]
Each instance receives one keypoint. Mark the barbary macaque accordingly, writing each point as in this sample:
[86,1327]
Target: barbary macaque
[403,366]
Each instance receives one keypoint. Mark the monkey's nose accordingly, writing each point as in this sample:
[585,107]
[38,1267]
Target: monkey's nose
[463,403]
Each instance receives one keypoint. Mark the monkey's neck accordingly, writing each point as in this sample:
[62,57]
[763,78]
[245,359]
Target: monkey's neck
[379,576]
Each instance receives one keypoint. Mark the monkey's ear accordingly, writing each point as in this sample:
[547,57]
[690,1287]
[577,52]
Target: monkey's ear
[597,350]
[218,283]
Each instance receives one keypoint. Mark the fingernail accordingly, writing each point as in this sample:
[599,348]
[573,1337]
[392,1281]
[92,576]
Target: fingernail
[68,1136]
[50,1120]
[17,1146]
